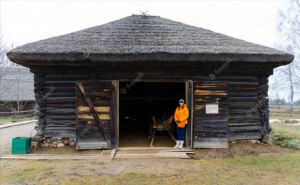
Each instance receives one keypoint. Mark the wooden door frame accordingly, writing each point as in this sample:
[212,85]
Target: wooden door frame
[189,102]
[116,98]
[115,121]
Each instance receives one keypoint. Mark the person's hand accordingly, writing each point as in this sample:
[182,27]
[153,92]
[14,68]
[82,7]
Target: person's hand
[178,121]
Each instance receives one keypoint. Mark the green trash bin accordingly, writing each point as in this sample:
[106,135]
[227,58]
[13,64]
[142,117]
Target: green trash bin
[21,145]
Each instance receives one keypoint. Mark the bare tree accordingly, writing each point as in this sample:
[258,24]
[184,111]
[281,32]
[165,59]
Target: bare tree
[287,78]
[5,63]
[6,66]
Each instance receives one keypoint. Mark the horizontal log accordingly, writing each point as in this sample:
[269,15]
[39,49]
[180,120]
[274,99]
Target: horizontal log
[64,105]
[209,122]
[53,94]
[241,106]
[58,90]
[245,128]
[95,103]
[238,78]
[212,117]
[240,94]
[51,128]
[243,111]
[244,124]
[92,121]
[64,117]
[245,135]
[60,100]
[200,134]
[202,112]
[59,83]
[61,126]
[202,87]
[211,128]
[244,90]
[60,111]
[208,99]
[95,93]
[242,121]
[66,77]
[201,106]
[149,70]
[90,116]
[210,92]
[241,117]
[242,99]
[86,109]
[96,85]
[211,143]
[242,84]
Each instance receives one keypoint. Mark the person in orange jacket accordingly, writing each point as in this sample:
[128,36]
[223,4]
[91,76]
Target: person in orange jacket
[180,117]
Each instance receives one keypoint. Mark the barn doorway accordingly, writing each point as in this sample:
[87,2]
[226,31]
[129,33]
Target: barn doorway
[139,103]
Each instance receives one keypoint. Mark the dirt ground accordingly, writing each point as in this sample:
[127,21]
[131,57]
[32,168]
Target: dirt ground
[136,138]
[261,169]
[262,163]
[242,148]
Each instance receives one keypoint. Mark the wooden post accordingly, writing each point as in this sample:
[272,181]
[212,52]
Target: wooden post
[116,114]
[278,109]
[188,100]
[14,116]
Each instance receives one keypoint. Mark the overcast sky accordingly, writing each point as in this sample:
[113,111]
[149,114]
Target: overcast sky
[28,21]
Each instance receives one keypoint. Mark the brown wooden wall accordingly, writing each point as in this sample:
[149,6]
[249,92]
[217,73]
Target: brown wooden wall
[210,130]
[56,95]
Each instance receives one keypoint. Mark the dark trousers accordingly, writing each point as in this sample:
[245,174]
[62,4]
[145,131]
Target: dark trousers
[180,133]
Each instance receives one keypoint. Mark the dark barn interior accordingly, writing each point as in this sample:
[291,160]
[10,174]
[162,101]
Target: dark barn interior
[138,103]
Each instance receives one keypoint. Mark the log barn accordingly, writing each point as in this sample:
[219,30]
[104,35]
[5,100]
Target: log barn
[99,85]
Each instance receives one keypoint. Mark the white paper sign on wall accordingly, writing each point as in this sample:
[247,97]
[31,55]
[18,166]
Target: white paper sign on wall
[212,109]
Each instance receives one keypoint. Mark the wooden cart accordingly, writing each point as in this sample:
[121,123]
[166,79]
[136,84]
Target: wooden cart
[161,124]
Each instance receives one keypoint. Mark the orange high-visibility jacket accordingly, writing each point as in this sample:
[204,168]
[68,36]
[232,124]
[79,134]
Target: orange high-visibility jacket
[182,115]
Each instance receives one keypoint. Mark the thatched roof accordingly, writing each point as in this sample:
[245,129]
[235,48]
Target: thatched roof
[16,84]
[146,38]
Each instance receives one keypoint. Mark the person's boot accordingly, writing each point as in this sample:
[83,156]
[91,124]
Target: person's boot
[177,144]
[181,144]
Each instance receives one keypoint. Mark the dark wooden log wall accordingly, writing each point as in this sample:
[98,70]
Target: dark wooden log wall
[210,130]
[244,117]
[56,101]
[57,110]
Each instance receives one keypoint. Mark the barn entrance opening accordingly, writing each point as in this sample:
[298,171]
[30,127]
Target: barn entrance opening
[143,107]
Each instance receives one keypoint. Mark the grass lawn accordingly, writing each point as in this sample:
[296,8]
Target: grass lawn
[281,167]
[286,135]
[271,169]
[285,116]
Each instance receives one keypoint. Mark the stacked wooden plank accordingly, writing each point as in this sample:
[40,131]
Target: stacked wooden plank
[210,130]
[89,131]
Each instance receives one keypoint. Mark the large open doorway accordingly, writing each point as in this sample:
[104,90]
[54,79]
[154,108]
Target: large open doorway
[139,103]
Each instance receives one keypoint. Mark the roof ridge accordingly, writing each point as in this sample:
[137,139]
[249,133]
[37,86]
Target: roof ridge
[140,15]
